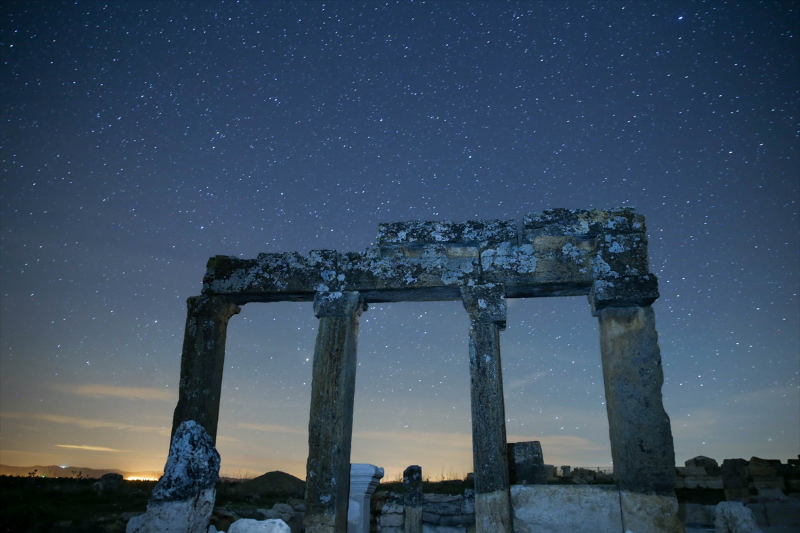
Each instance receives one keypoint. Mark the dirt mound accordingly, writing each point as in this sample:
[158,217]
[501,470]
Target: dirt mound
[274,484]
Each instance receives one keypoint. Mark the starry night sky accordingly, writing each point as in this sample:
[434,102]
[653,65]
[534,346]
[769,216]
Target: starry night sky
[141,138]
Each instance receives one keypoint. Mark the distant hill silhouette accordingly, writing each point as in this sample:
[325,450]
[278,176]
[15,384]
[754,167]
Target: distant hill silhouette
[57,471]
[274,484]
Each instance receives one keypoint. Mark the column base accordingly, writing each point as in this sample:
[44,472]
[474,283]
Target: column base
[650,513]
[493,512]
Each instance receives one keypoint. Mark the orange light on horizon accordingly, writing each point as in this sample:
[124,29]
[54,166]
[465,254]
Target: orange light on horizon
[133,478]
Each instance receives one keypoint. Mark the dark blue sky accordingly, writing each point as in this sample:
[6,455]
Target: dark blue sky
[140,138]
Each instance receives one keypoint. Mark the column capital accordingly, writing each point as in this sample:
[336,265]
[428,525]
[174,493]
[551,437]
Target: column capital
[339,304]
[485,303]
[212,306]
[631,291]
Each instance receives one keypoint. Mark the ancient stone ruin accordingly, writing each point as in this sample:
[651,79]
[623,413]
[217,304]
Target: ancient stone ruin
[601,254]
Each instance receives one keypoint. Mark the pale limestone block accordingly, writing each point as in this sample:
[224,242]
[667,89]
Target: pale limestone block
[566,509]
[650,513]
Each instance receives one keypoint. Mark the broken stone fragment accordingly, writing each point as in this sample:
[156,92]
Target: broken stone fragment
[183,499]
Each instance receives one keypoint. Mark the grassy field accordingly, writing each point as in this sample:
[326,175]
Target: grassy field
[39,504]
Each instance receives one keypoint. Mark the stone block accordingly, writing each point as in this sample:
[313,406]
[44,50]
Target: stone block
[680,483]
[428,528]
[793,485]
[785,513]
[480,232]
[734,473]
[694,514]
[708,464]
[526,463]
[582,223]
[248,525]
[737,495]
[430,518]
[457,520]
[762,482]
[389,520]
[566,509]
[756,470]
[650,513]
[628,291]
[714,482]
[736,518]
[693,471]
[391,529]
[551,471]
[759,513]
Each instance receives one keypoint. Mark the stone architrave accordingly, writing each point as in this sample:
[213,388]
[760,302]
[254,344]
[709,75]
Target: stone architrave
[487,312]
[330,425]
[639,428]
[526,463]
[183,499]
[203,361]
[412,499]
[364,479]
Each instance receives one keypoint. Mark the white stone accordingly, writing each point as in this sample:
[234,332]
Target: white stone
[212,529]
[364,479]
[733,517]
[248,525]
[187,516]
[566,509]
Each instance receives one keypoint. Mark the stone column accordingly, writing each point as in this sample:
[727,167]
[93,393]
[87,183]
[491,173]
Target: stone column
[487,312]
[202,362]
[639,428]
[364,479]
[412,499]
[330,425]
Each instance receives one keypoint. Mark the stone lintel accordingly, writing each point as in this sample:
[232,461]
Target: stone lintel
[486,304]
[582,223]
[564,253]
[480,232]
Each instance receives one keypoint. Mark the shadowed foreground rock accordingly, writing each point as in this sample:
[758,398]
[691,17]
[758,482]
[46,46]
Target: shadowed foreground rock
[183,499]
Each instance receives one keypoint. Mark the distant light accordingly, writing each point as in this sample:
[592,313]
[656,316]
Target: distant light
[680,18]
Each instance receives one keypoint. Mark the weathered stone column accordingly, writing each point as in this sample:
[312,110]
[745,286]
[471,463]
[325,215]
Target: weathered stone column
[330,425]
[639,428]
[412,499]
[202,362]
[487,312]
[364,479]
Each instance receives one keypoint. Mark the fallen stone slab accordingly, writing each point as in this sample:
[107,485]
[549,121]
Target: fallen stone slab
[248,525]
